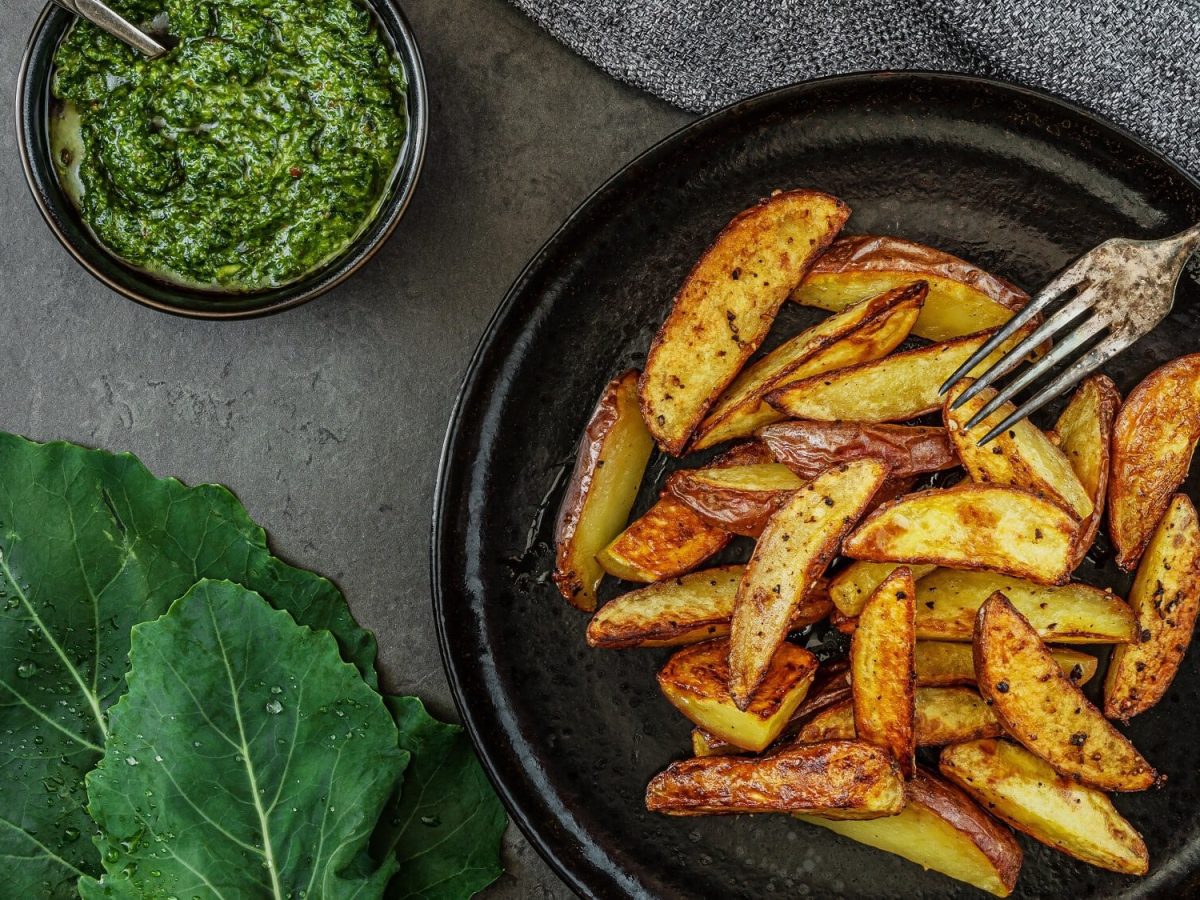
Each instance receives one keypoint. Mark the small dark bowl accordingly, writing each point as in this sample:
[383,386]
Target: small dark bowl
[33,136]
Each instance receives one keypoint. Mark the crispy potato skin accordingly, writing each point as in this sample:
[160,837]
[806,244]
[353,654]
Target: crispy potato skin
[851,587]
[683,610]
[808,448]
[1021,457]
[867,330]
[1165,598]
[608,470]
[739,499]
[944,663]
[1029,795]
[882,670]
[948,603]
[1084,433]
[1152,445]
[727,304]
[793,551]
[943,715]
[971,526]
[847,779]
[942,829]
[963,298]
[1044,710]
[696,681]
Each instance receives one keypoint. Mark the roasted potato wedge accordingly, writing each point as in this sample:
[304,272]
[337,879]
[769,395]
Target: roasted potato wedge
[963,299]
[893,389]
[943,715]
[809,448]
[1152,445]
[793,551]
[608,470]
[1084,433]
[669,539]
[948,603]
[850,588]
[846,779]
[1028,794]
[739,499]
[941,829]
[1165,598]
[696,681]
[862,332]
[726,307]
[971,526]
[881,670]
[1044,710]
[943,663]
[1022,457]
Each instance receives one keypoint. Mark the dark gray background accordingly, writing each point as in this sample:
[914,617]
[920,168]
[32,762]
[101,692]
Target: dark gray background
[327,420]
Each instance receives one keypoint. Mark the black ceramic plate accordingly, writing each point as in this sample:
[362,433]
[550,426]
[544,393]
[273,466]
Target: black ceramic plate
[1014,180]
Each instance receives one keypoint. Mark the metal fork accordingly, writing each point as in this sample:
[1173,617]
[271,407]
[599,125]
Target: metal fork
[1128,287]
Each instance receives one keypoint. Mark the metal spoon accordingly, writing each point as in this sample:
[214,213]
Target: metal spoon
[107,20]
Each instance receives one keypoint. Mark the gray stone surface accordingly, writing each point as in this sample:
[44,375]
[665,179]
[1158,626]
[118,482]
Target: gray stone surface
[327,420]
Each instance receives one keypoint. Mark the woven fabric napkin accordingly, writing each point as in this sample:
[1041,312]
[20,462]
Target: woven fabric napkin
[1135,61]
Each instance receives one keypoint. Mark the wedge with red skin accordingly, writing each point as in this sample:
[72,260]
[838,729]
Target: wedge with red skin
[809,447]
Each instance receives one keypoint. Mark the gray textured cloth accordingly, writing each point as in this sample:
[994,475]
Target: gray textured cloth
[1136,62]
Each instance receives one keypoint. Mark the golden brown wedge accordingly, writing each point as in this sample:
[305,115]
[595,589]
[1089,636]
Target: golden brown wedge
[943,663]
[791,555]
[882,676]
[850,588]
[941,829]
[808,448]
[1022,457]
[1084,433]
[726,307]
[865,331]
[893,389]
[846,779]
[696,681]
[943,715]
[1165,598]
[963,299]
[1044,710]
[739,499]
[948,603]
[971,526]
[608,471]
[1060,812]
[1152,445]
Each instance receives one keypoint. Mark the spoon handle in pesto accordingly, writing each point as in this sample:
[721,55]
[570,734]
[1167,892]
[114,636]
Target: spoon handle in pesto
[108,20]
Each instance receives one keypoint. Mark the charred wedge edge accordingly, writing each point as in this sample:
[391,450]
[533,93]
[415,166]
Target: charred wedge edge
[696,681]
[791,555]
[1152,445]
[1028,794]
[963,298]
[1165,599]
[1043,709]
[941,829]
[726,307]
[882,675]
[971,526]
[843,779]
[1022,457]
[608,471]
[865,331]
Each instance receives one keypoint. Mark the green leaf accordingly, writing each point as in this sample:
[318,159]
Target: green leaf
[91,544]
[446,827]
[246,760]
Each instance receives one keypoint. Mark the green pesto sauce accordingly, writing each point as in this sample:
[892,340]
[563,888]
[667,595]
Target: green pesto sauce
[253,152]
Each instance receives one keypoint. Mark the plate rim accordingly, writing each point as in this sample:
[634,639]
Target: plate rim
[581,881]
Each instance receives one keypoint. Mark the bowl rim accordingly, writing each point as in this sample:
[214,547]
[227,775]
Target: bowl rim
[329,276]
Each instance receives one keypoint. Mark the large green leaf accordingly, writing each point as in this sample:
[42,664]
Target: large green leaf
[447,824]
[91,544]
[246,760]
